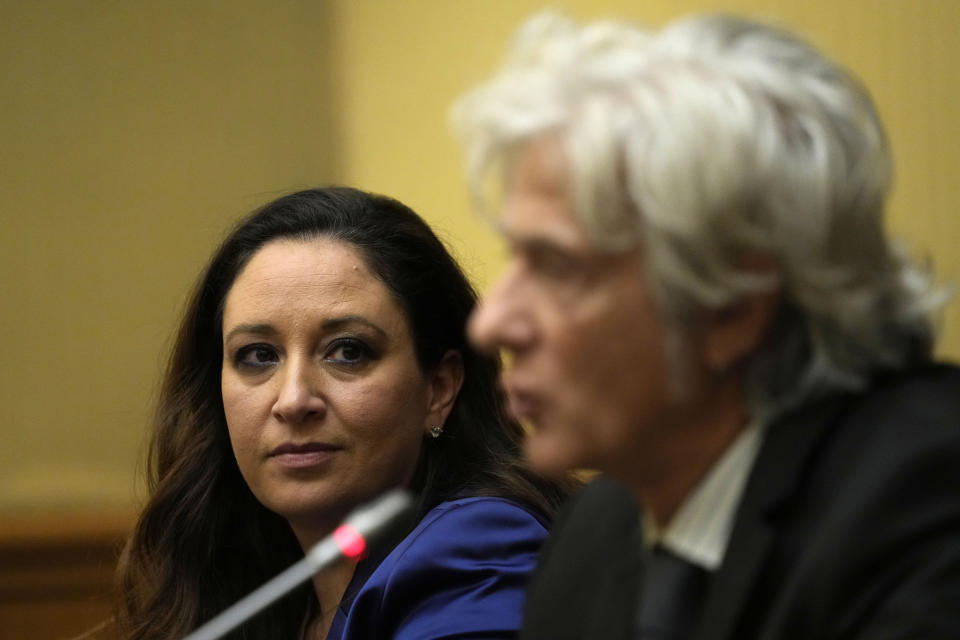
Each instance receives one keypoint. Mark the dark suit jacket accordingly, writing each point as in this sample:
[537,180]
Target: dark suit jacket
[849,527]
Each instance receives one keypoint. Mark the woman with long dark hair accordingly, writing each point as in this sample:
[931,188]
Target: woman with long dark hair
[321,361]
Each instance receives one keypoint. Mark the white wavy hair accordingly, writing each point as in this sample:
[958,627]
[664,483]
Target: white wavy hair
[713,139]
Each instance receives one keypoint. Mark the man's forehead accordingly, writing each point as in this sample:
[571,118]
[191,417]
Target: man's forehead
[533,215]
[538,165]
[526,228]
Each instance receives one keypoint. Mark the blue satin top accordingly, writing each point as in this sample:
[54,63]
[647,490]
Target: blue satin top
[461,572]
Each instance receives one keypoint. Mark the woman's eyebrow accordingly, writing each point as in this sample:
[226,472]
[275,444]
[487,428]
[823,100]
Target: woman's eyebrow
[332,324]
[261,328]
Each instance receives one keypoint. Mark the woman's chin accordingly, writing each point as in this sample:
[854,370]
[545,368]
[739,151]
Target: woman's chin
[309,511]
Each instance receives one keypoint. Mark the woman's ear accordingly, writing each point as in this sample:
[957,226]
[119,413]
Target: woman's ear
[444,385]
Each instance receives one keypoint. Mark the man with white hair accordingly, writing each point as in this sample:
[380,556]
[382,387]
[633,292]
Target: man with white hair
[701,303]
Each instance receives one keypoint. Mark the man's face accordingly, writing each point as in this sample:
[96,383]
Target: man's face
[585,341]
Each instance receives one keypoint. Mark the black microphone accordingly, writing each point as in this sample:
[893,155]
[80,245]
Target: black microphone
[350,540]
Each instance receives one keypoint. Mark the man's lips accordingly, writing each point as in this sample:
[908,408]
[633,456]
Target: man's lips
[524,403]
[304,455]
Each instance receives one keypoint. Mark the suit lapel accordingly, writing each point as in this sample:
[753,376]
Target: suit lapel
[585,585]
[614,615]
[775,478]
[616,590]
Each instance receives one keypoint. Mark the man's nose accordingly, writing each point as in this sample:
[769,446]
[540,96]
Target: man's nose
[502,319]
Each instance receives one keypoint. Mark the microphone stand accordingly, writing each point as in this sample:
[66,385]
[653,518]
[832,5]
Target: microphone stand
[351,540]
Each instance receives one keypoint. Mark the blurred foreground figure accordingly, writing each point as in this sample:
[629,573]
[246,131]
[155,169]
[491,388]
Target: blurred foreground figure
[702,303]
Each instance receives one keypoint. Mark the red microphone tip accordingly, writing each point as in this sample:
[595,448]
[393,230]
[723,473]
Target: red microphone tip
[350,541]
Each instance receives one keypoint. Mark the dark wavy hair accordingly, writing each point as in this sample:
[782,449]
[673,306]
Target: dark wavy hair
[203,540]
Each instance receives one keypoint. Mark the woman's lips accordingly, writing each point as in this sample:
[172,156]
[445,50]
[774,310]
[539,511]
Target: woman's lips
[303,456]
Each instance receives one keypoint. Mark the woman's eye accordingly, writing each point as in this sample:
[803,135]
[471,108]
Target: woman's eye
[256,356]
[349,351]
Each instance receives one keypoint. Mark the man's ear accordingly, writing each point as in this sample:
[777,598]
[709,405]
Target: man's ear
[444,385]
[731,334]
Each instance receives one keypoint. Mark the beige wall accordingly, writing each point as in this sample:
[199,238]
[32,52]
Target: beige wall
[401,64]
[131,134]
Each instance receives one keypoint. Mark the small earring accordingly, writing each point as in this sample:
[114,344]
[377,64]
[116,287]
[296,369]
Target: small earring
[436,430]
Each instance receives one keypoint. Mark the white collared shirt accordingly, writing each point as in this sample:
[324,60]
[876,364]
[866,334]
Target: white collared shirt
[700,530]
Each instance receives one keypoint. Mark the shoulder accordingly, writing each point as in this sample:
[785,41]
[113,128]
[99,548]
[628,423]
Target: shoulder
[456,533]
[929,395]
[462,570]
[588,572]
[601,500]
[889,449]
[911,416]
[484,518]
[602,495]
[897,420]
[871,521]
[903,433]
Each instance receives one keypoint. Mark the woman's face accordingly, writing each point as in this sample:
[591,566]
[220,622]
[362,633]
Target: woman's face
[325,402]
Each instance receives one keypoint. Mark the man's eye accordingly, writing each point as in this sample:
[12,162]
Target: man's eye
[256,356]
[349,351]
[553,264]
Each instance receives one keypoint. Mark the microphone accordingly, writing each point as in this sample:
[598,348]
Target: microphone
[351,540]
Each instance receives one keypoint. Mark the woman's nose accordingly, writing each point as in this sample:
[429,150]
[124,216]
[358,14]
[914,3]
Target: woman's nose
[298,397]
